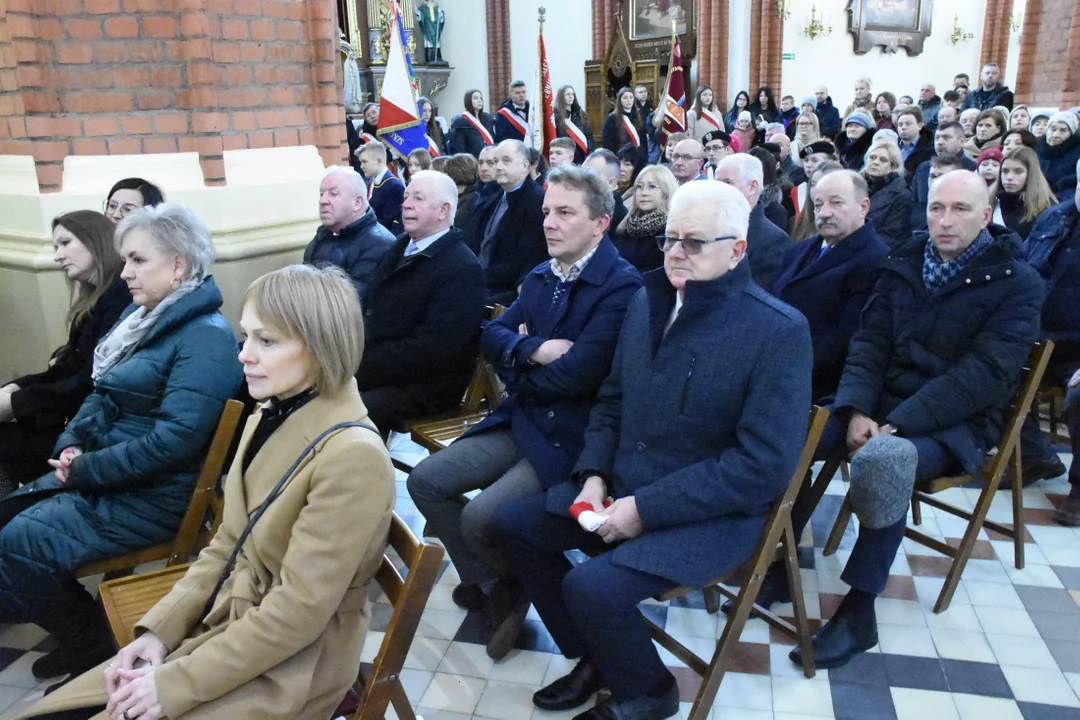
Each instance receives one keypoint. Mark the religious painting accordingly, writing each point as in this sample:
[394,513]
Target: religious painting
[652,18]
[892,24]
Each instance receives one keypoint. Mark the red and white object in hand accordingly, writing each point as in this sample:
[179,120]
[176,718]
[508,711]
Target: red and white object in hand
[588,518]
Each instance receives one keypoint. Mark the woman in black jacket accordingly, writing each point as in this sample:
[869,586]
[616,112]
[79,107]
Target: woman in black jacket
[34,408]
[465,134]
[1021,192]
[890,199]
[569,110]
[763,111]
[853,144]
[615,134]
[742,102]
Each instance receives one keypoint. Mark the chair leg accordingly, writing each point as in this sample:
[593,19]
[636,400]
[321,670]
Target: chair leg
[401,703]
[842,519]
[845,474]
[1018,514]
[712,599]
[798,602]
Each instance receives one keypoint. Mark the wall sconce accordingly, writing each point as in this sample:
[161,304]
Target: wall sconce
[815,26]
[783,9]
[958,33]
[1016,21]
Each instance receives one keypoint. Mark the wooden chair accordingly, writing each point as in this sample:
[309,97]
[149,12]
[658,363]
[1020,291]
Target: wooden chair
[993,469]
[194,532]
[1054,397]
[128,599]
[778,535]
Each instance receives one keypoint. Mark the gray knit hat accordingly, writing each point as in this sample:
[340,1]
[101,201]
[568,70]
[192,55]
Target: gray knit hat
[882,476]
[860,118]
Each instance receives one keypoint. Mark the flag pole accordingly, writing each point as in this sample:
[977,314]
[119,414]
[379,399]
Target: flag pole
[667,81]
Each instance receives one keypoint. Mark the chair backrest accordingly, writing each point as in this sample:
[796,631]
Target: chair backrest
[1018,410]
[484,386]
[818,417]
[408,595]
[205,497]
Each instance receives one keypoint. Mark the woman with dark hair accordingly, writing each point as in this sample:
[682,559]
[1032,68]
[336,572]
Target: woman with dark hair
[471,131]
[432,128]
[465,172]
[742,102]
[418,161]
[630,164]
[34,408]
[703,116]
[884,104]
[538,167]
[1021,192]
[1018,137]
[130,194]
[625,126]
[989,130]
[763,111]
[572,121]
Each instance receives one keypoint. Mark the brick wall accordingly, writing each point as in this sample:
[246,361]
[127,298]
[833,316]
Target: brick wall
[766,47]
[1049,74]
[95,77]
[995,42]
[712,49]
[498,42]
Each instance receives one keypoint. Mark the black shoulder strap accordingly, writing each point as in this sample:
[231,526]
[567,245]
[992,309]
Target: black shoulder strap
[231,562]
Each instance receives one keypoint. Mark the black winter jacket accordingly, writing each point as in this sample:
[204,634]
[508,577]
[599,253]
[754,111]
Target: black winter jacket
[890,209]
[357,249]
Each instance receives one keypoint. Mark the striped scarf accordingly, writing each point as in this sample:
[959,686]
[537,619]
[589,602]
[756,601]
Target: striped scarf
[937,272]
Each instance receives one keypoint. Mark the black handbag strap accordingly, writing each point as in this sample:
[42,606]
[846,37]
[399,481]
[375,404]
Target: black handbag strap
[230,563]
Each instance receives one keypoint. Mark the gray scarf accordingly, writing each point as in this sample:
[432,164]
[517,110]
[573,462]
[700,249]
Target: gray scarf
[119,344]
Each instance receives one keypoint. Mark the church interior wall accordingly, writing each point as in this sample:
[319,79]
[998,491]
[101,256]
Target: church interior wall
[567,37]
[464,47]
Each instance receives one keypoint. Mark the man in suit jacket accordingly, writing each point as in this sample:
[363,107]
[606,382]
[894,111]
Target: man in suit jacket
[553,349]
[765,242]
[695,433]
[385,192]
[512,239]
[512,118]
[423,314]
[828,277]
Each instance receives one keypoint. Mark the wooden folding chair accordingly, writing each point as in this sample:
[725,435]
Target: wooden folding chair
[128,599]
[993,469]
[1054,397]
[779,535]
[195,530]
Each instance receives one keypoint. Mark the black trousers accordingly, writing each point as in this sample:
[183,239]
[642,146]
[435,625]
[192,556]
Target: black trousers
[25,451]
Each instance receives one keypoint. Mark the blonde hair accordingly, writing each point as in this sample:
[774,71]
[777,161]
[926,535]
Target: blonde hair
[896,158]
[319,307]
[662,176]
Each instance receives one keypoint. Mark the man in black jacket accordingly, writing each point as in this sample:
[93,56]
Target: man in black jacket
[422,318]
[765,242]
[948,142]
[991,93]
[512,230]
[512,118]
[928,380]
[351,236]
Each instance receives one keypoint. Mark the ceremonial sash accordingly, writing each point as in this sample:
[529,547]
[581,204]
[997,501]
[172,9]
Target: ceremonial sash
[365,138]
[631,131]
[715,120]
[710,172]
[479,126]
[432,148]
[515,121]
[575,134]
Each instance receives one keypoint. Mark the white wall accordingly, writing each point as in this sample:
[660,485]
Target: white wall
[1012,65]
[832,60]
[738,52]
[567,38]
[465,48]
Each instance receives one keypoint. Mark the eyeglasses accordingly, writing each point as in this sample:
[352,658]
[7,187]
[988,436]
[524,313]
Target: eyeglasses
[682,156]
[691,246]
[638,187]
[111,207]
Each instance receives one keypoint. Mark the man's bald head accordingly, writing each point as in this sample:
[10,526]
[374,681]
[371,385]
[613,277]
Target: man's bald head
[686,160]
[957,210]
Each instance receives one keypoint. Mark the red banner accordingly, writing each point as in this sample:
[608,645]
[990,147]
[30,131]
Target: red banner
[547,124]
[674,102]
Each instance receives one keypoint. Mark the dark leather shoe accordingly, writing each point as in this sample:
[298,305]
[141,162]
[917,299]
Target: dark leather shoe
[1068,513]
[1050,467]
[54,664]
[774,589]
[640,708]
[505,636]
[571,690]
[841,639]
[468,596]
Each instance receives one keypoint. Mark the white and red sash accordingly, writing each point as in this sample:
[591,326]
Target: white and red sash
[365,138]
[479,127]
[631,131]
[514,120]
[432,148]
[712,118]
[574,133]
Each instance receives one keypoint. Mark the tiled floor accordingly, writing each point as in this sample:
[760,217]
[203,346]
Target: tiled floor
[1008,647]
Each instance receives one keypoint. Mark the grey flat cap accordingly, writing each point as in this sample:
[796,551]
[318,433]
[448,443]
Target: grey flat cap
[882,476]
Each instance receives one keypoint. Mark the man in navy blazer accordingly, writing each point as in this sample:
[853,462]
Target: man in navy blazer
[765,242]
[695,434]
[829,277]
[553,349]
[385,191]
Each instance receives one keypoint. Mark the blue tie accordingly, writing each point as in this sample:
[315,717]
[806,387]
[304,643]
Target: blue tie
[411,249]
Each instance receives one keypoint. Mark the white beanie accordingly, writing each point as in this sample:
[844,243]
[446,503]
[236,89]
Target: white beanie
[1064,117]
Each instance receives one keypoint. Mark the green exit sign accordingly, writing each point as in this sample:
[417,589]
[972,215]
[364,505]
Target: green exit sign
[789,56]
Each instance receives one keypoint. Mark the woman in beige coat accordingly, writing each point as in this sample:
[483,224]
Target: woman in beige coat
[283,636]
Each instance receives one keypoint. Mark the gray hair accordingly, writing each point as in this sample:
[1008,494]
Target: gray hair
[445,190]
[747,168]
[969,112]
[731,208]
[356,182]
[175,230]
[598,197]
[610,160]
[774,127]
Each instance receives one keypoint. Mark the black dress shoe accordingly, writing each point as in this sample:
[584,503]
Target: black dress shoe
[1045,469]
[571,690]
[640,708]
[468,596]
[841,639]
[774,589]
[54,664]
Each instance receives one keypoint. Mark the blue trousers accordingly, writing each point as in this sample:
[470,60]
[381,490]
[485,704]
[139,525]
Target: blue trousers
[868,567]
[589,609]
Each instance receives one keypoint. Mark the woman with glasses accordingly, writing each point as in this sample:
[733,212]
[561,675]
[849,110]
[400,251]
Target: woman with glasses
[129,195]
[807,132]
[34,408]
[646,218]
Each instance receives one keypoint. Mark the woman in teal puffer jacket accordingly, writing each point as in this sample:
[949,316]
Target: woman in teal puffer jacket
[127,462]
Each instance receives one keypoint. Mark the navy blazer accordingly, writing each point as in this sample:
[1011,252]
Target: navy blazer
[548,405]
[831,292]
[703,425]
[766,244]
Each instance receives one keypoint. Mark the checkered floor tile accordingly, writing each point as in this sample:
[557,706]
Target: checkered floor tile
[1008,647]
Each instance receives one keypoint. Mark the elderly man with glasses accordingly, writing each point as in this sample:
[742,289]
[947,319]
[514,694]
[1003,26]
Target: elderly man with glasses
[686,161]
[695,433]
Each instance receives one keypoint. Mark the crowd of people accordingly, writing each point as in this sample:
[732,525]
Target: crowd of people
[672,311]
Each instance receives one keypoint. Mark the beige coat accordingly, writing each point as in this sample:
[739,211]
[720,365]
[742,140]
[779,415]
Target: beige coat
[286,631]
